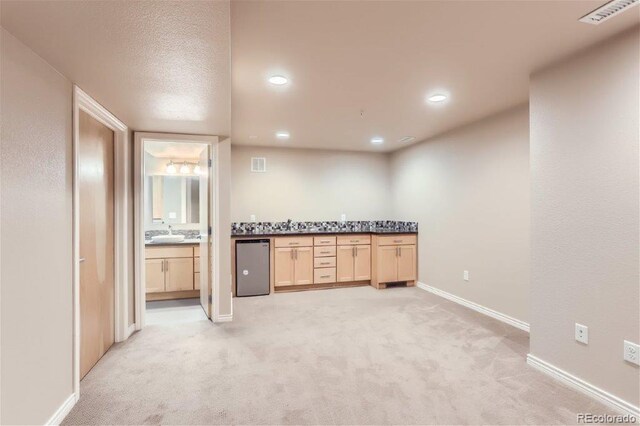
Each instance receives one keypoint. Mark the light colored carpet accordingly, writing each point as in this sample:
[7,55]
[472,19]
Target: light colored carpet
[341,356]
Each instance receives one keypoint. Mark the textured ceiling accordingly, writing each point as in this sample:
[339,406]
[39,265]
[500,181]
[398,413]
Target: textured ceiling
[159,66]
[357,69]
[363,69]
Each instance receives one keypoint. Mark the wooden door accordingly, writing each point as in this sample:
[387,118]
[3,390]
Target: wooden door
[362,263]
[154,275]
[178,274]
[283,266]
[387,264]
[344,263]
[96,217]
[303,270]
[406,263]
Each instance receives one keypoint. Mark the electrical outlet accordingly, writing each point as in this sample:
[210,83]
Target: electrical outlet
[632,352]
[582,333]
[465,275]
[252,218]
[343,217]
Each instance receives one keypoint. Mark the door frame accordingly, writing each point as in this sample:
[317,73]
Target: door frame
[83,102]
[216,209]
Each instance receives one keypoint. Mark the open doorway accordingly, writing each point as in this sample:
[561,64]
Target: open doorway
[177,226]
[176,192]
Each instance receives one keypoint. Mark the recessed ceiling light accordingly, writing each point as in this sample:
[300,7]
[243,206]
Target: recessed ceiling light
[437,98]
[278,80]
[282,135]
[377,140]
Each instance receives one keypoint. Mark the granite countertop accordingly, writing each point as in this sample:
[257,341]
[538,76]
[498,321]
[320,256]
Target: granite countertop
[271,233]
[191,241]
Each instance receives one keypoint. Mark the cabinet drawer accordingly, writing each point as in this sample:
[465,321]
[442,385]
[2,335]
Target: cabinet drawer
[324,251]
[324,241]
[196,264]
[324,262]
[392,240]
[168,252]
[354,239]
[324,275]
[294,242]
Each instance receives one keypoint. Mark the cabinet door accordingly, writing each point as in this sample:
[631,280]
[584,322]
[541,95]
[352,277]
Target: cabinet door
[303,270]
[196,280]
[362,263]
[406,263]
[387,264]
[283,266]
[344,263]
[154,275]
[179,274]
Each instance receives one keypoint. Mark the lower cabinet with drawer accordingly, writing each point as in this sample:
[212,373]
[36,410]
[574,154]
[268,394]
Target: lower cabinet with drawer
[169,272]
[395,259]
[304,262]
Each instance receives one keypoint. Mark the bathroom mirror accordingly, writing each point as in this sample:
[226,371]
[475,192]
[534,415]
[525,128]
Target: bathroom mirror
[172,199]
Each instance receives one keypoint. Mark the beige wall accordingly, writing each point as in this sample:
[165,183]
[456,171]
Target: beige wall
[469,191]
[36,240]
[585,218]
[309,185]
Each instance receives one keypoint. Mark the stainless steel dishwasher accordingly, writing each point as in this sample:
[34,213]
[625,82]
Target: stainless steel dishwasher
[252,268]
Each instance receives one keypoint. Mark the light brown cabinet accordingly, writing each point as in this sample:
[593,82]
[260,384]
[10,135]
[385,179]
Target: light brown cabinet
[170,269]
[395,260]
[154,275]
[353,263]
[293,265]
[178,274]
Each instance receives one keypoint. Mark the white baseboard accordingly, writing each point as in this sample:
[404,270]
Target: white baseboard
[63,410]
[130,330]
[584,387]
[478,308]
[223,318]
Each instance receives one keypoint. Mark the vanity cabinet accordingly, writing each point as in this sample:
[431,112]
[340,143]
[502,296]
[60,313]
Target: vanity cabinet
[395,259]
[169,269]
[293,261]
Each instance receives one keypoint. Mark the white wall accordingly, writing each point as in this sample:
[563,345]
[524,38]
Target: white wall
[309,185]
[585,213]
[35,251]
[469,191]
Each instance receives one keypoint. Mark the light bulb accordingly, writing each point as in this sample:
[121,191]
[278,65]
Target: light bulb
[184,169]
[196,169]
[171,168]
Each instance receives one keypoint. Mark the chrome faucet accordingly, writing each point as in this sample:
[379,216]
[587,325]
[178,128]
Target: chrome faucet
[170,230]
[289,224]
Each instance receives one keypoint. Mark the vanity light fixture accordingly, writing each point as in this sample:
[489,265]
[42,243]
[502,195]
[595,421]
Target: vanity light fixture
[184,169]
[196,169]
[437,98]
[282,134]
[278,80]
[171,168]
[377,140]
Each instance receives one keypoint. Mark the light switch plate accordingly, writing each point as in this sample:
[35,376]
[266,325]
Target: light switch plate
[582,333]
[252,218]
[343,217]
[465,275]
[632,352]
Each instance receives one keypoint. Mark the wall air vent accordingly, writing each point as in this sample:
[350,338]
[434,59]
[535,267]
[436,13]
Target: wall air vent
[607,11]
[258,164]
[407,139]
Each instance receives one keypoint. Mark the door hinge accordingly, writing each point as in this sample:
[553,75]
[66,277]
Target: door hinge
[210,298]
[209,230]
[209,162]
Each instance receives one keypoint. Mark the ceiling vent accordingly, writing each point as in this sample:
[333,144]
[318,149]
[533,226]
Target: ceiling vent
[258,164]
[407,139]
[608,11]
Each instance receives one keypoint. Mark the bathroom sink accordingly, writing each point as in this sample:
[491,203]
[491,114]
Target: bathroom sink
[167,238]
